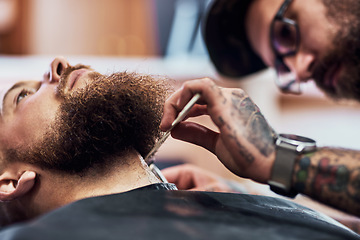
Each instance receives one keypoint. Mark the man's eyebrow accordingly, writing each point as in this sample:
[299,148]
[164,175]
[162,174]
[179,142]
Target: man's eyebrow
[16,85]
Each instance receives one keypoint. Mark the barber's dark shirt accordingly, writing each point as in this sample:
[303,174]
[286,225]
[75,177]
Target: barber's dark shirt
[157,212]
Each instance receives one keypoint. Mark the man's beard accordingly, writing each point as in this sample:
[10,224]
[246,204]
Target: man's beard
[100,123]
[346,51]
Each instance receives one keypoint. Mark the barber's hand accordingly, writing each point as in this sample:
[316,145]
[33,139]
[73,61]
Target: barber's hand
[245,141]
[190,177]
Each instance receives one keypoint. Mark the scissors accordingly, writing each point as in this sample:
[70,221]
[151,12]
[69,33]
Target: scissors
[159,143]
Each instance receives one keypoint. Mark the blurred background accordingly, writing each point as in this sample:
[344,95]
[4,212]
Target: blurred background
[156,37]
[106,28]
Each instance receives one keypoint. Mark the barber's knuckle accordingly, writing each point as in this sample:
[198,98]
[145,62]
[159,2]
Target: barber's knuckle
[202,84]
[210,85]
[208,81]
[239,92]
[187,85]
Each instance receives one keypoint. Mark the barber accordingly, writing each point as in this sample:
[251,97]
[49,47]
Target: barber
[302,40]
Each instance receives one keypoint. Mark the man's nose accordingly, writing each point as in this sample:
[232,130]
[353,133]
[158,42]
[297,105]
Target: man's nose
[57,66]
[302,64]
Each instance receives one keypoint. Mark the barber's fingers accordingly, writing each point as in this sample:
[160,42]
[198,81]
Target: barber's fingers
[196,111]
[169,117]
[182,176]
[196,134]
[207,88]
[170,111]
[190,177]
[209,95]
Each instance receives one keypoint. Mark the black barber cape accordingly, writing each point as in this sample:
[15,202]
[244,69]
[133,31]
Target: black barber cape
[157,212]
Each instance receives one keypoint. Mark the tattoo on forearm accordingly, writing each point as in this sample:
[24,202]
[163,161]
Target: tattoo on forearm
[302,174]
[233,135]
[244,107]
[223,123]
[354,185]
[249,158]
[251,126]
[258,132]
[335,177]
[331,176]
[261,135]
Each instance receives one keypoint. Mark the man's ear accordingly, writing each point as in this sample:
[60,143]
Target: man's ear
[13,186]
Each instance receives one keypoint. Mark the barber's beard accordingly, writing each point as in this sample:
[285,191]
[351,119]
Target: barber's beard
[100,122]
[347,54]
[346,51]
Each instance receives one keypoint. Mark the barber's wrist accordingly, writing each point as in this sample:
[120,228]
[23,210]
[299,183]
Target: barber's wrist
[261,173]
[289,150]
[269,168]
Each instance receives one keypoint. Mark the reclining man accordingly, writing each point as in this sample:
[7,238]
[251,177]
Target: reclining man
[71,168]
[76,134]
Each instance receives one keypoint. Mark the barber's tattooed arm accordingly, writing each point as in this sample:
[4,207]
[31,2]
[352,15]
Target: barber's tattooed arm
[245,130]
[257,131]
[244,142]
[331,176]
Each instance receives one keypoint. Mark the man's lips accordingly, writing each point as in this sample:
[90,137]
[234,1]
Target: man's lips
[75,76]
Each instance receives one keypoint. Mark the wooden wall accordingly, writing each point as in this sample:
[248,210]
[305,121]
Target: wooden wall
[83,27]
